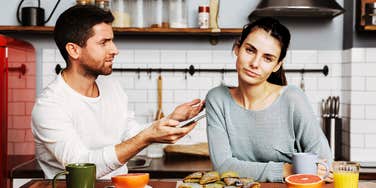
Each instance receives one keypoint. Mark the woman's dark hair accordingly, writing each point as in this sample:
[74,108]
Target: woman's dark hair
[279,32]
[75,25]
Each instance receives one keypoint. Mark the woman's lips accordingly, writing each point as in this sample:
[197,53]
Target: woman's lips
[251,73]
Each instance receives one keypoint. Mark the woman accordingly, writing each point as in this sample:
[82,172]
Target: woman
[256,127]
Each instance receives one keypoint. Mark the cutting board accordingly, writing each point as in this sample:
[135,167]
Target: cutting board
[200,149]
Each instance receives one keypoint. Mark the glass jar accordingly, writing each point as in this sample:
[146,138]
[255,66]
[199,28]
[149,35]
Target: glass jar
[178,14]
[156,13]
[137,13]
[370,13]
[103,4]
[121,11]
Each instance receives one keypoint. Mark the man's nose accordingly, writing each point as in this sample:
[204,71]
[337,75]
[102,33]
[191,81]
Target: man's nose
[114,49]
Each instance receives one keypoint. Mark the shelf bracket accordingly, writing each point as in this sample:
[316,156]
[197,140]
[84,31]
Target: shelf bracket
[213,40]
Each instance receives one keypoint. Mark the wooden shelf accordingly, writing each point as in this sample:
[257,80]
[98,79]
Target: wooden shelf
[132,31]
[369,28]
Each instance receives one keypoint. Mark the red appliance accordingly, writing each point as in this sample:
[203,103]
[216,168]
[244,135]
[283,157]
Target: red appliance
[10,64]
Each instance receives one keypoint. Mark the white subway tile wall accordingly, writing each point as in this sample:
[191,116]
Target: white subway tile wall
[352,76]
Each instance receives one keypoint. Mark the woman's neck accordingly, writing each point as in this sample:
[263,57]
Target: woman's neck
[255,97]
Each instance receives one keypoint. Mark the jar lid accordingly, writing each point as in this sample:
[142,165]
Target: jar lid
[203,8]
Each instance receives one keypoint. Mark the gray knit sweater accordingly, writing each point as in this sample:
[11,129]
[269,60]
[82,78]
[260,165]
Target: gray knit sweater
[257,143]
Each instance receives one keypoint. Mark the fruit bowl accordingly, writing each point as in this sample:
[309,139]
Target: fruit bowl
[304,181]
[134,180]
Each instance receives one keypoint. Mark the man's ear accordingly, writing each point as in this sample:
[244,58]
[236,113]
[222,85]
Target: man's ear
[74,51]
[278,66]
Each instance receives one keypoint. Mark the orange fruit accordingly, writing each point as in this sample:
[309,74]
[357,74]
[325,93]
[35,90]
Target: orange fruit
[304,181]
[131,180]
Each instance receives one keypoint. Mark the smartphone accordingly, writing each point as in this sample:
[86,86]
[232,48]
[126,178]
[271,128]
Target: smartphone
[194,119]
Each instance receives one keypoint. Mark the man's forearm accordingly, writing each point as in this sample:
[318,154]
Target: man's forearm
[128,148]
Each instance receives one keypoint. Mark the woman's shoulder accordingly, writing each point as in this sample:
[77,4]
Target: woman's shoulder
[217,92]
[292,91]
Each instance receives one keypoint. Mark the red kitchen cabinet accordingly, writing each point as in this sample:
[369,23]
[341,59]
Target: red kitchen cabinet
[17,62]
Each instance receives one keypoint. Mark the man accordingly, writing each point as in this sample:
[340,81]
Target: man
[83,118]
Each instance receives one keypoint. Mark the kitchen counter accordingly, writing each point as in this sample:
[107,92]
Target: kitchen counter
[163,168]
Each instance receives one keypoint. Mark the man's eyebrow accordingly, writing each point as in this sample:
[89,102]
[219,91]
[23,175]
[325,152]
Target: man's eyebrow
[106,39]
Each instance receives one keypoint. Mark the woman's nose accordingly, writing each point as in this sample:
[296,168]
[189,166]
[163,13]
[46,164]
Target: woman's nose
[255,61]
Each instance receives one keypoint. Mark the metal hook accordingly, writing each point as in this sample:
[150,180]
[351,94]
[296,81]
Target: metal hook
[149,73]
[302,82]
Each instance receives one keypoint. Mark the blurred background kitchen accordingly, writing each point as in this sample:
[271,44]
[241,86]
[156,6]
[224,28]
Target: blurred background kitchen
[156,37]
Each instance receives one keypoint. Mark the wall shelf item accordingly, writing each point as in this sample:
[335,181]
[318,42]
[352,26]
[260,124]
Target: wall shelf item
[213,35]
[192,70]
[132,31]
[361,16]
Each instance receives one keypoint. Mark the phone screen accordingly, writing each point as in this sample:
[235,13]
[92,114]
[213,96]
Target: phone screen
[192,120]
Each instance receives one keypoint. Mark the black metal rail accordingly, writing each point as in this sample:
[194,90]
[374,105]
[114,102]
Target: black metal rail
[21,69]
[192,70]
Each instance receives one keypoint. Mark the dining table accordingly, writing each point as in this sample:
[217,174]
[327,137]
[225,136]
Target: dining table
[154,183]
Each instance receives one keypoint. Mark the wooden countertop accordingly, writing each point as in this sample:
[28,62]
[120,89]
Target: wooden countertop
[153,183]
[170,167]
[163,168]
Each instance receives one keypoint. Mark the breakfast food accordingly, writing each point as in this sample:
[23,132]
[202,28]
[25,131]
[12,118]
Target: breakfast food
[304,181]
[213,179]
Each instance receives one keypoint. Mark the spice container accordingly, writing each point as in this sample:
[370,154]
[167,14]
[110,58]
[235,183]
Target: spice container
[371,13]
[120,9]
[103,4]
[178,14]
[203,17]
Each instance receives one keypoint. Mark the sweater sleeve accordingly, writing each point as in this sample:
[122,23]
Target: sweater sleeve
[56,132]
[308,133]
[220,147]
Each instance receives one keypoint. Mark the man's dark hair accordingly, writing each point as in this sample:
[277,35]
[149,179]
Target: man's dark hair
[75,25]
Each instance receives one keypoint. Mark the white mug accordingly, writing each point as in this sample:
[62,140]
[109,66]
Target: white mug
[306,163]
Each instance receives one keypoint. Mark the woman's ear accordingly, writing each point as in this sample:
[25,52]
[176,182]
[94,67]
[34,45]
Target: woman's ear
[278,66]
[236,49]
[74,51]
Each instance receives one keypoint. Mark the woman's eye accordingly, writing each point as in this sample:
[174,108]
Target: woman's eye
[268,59]
[249,50]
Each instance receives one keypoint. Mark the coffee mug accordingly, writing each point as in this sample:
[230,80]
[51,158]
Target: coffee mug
[306,163]
[78,175]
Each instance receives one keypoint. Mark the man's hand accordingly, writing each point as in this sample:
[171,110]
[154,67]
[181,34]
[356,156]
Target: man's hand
[165,131]
[187,110]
